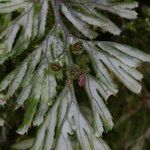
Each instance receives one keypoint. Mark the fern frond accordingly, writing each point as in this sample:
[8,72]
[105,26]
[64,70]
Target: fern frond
[20,31]
[67,115]
[122,60]
[35,82]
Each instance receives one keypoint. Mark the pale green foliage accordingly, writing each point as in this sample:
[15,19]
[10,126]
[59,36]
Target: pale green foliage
[2,121]
[23,145]
[57,114]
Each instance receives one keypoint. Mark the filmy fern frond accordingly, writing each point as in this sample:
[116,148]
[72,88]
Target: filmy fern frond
[34,83]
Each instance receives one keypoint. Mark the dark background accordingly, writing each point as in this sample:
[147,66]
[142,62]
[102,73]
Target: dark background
[132,112]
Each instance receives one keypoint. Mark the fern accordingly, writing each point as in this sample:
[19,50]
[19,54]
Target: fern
[51,44]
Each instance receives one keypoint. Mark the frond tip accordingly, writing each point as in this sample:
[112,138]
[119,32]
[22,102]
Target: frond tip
[65,118]
[120,59]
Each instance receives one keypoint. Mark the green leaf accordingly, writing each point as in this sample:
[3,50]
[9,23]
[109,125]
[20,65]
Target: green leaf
[96,19]
[70,121]
[23,144]
[80,25]
[124,10]
[11,5]
[117,59]
[31,109]
[16,81]
[48,91]
[2,121]
[96,94]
